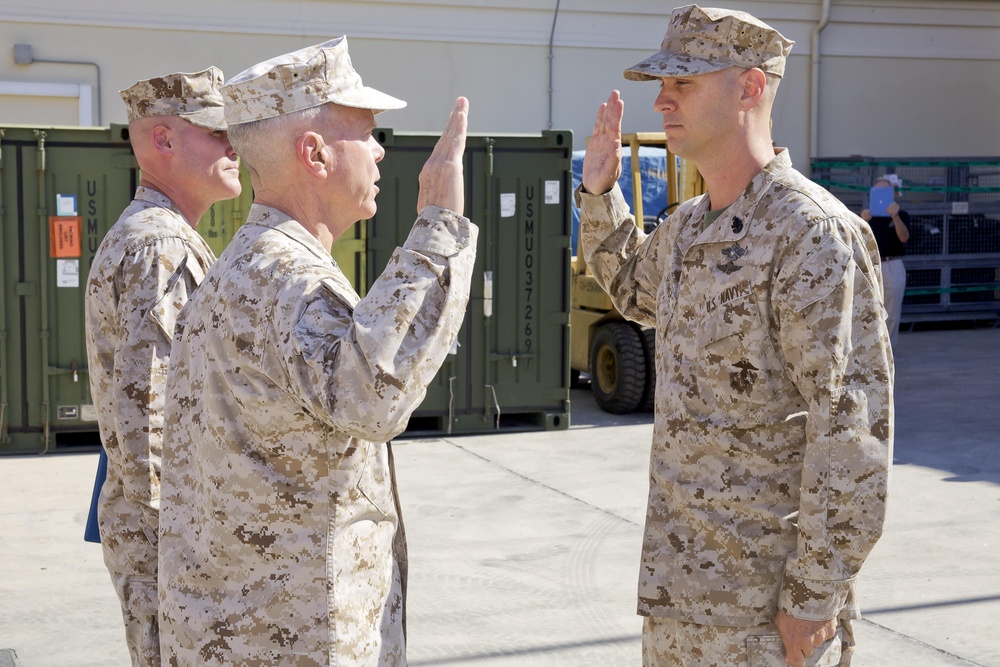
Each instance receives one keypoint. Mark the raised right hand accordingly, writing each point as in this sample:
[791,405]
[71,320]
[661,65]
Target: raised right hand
[442,179]
[602,163]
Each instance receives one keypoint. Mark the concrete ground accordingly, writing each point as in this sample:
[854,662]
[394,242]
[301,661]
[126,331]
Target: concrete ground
[524,546]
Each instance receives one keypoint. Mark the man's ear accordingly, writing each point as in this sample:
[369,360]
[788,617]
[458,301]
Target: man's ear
[163,140]
[753,83]
[310,154]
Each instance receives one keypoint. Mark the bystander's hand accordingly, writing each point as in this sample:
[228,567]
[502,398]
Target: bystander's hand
[866,215]
[442,179]
[602,163]
[892,209]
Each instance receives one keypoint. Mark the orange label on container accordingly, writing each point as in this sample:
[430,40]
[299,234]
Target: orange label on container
[64,236]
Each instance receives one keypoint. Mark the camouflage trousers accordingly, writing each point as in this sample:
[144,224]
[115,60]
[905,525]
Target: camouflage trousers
[666,641]
[129,540]
[138,599]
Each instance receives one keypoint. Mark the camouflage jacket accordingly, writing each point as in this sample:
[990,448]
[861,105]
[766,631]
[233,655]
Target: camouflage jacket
[145,269]
[279,512]
[774,419]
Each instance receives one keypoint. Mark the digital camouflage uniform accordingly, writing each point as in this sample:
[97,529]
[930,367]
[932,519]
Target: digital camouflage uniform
[279,505]
[145,269]
[774,420]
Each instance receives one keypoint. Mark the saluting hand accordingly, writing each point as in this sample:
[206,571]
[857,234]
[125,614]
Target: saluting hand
[602,163]
[442,179]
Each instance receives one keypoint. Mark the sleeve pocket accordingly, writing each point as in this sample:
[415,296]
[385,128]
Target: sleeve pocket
[164,312]
[817,278]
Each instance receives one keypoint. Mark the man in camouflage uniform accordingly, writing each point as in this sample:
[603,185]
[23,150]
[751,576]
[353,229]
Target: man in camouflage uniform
[280,537]
[774,421]
[144,271]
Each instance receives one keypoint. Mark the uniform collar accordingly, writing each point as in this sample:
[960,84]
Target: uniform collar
[156,198]
[735,221]
[280,221]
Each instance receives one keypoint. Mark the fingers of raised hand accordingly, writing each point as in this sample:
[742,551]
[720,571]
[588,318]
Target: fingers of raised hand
[441,179]
[451,145]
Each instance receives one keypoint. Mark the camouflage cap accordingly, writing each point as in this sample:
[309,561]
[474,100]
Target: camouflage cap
[195,97]
[702,40]
[300,80]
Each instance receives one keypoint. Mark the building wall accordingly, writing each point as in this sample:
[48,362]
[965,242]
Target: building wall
[896,77]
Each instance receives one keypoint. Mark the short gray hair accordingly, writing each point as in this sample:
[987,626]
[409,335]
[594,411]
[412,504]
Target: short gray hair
[262,141]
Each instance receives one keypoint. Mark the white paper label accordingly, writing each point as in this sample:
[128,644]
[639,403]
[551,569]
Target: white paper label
[67,273]
[960,208]
[508,205]
[552,192]
[88,413]
[65,204]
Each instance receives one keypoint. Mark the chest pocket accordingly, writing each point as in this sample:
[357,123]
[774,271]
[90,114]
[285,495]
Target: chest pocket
[740,368]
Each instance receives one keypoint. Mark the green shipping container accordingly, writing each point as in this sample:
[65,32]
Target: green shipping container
[510,369]
[57,182]
[511,366]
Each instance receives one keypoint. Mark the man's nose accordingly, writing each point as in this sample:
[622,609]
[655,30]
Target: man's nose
[663,102]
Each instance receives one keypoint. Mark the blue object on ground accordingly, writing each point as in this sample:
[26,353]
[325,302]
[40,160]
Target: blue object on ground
[92,533]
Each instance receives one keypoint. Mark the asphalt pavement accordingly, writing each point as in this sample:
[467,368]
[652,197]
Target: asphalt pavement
[524,546]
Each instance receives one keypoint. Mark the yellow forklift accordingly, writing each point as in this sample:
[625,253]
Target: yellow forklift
[617,354]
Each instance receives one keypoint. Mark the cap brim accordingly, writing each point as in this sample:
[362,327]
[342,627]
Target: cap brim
[671,65]
[368,98]
[212,118]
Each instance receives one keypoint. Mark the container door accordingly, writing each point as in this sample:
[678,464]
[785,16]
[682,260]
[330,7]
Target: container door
[521,377]
[63,188]
[510,365]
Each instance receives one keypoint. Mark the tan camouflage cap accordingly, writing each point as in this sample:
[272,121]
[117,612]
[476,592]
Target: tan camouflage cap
[195,97]
[702,40]
[301,80]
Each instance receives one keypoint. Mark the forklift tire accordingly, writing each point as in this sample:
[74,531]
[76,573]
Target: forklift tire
[648,402]
[617,367]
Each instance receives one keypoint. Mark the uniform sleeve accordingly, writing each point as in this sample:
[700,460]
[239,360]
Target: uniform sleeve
[835,343]
[364,370]
[154,283]
[621,256]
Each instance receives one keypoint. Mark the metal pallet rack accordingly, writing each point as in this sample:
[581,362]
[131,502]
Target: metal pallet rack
[953,255]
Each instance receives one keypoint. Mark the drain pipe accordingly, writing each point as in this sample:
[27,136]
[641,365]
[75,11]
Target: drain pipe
[4,362]
[824,18]
[552,35]
[24,54]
